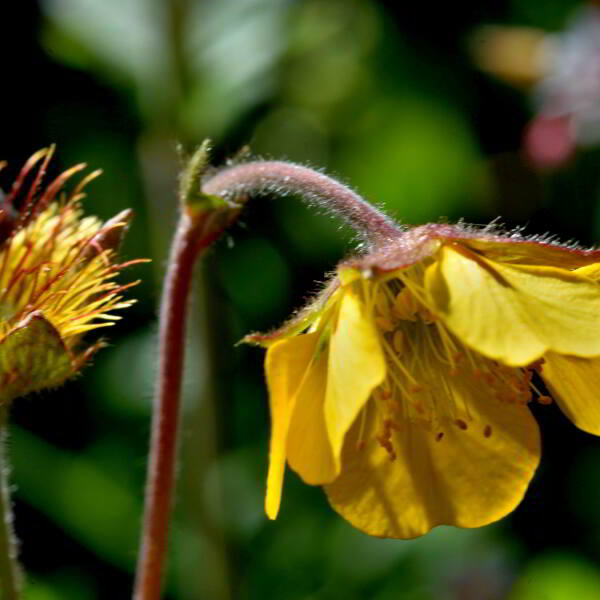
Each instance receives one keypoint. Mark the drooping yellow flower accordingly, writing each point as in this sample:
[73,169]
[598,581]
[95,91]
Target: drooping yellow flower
[404,388]
[57,270]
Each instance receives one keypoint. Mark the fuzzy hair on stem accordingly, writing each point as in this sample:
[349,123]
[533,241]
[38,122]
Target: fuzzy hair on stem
[280,178]
[199,226]
[11,577]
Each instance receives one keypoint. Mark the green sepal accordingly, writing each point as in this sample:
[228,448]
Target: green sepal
[33,357]
[190,182]
[198,204]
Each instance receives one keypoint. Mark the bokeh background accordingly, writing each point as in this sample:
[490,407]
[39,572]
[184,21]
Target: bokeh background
[386,96]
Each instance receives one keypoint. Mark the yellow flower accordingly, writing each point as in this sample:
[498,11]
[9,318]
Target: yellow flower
[404,388]
[57,271]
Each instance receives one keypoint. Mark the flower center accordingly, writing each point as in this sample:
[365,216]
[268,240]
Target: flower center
[431,375]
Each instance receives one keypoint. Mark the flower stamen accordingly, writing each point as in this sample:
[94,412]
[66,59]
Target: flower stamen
[417,348]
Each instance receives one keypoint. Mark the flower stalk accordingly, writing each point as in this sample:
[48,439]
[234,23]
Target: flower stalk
[165,420]
[10,571]
[210,204]
[286,179]
[203,220]
[404,387]
[400,389]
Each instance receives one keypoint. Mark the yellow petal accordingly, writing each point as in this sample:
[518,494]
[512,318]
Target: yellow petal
[574,383]
[466,479]
[531,252]
[356,366]
[590,271]
[308,449]
[287,366]
[304,319]
[514,313]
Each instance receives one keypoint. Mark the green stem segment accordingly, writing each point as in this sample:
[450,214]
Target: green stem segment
[10,571]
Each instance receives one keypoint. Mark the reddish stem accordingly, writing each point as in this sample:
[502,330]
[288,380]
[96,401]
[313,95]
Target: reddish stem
[187,245]
[284,179]
[192,236]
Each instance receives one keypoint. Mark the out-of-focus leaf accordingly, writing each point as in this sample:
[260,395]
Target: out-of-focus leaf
[38,590]
[64,584]
[558,577]
[70,496]
[228,47]
[256,278]
[128,38]
[416,156]
[359,557]
[234,498]
[232,49]
[123,375]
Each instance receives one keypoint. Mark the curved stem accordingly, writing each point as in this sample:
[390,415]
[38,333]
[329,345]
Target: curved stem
[187,245]
[197,229]
[10,571]
[282,178]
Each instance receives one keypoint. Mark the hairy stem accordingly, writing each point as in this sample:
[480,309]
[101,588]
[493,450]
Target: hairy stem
[282,178]
[187,244]
[194,233]
[10,571]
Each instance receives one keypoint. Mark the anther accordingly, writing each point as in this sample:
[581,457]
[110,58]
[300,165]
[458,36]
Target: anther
[384,324]
[461,424]
[382,304]
[487,431]
[545,399]
[387,445]
[427,316]
[390,424]
[384,438]
[394,406]
[404,305]
[398,342]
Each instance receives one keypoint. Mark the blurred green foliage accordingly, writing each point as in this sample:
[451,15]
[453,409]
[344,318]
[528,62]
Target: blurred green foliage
[381,94]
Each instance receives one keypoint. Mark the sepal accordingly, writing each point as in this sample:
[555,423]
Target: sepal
[33,356]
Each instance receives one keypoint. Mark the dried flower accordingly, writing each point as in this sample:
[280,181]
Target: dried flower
[57,270]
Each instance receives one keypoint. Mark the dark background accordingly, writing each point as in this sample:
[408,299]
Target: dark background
[383,95]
